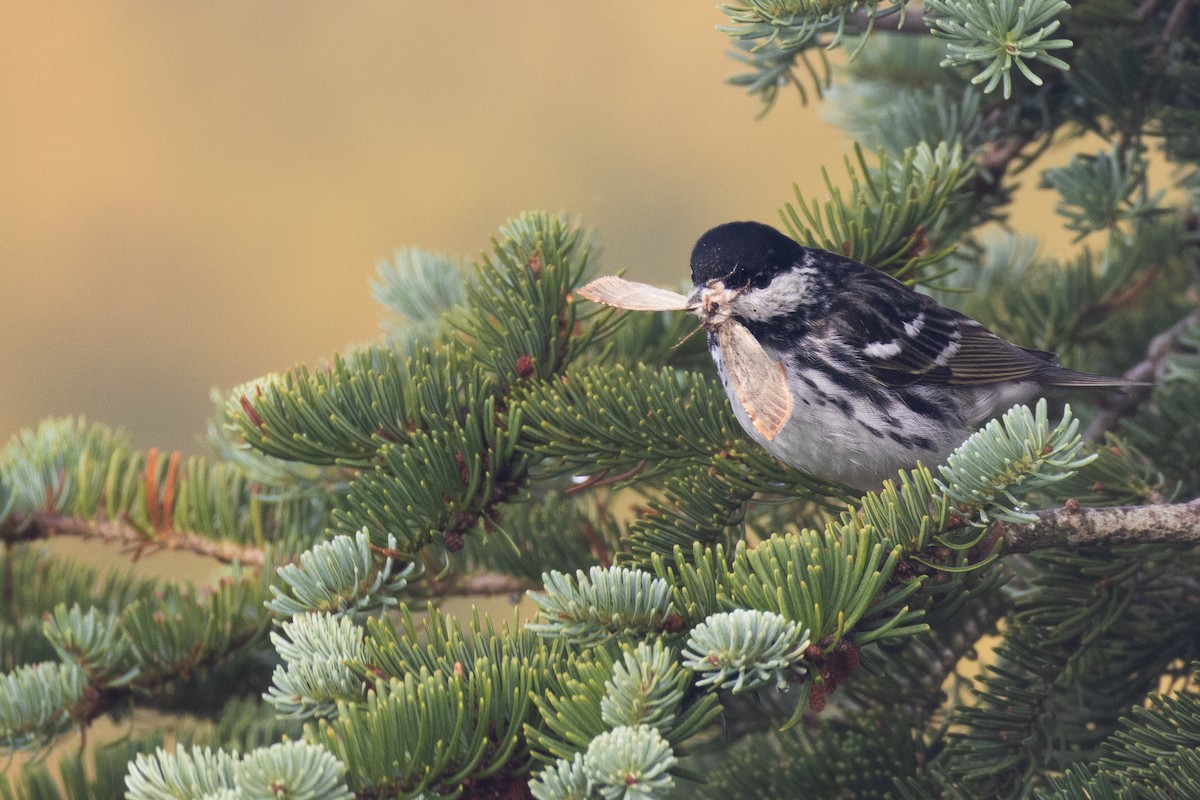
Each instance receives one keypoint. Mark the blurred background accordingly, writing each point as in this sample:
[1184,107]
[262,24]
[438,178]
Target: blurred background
[192,195]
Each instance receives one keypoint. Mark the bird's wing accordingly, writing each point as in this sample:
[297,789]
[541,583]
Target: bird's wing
[904,337]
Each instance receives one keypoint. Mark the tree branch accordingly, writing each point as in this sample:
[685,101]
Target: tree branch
[484,583]
[1171,29]
[45,524]
[1074,526]
[1147,372]
[910,21]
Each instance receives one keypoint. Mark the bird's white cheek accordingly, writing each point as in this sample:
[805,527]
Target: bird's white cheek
[786,291]
[757,308]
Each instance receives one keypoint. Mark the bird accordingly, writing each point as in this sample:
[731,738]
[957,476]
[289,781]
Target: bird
[835,367]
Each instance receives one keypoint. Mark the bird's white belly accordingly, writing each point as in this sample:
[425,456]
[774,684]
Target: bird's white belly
[855,448]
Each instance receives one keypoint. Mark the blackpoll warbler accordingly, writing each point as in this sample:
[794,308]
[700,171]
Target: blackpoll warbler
[837,368]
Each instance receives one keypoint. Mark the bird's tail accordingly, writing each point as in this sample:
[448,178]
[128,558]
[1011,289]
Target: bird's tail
[1070,379]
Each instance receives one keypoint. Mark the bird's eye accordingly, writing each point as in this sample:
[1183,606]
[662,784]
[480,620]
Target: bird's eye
[761,281]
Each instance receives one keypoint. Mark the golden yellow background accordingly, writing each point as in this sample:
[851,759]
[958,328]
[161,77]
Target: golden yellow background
[194,194]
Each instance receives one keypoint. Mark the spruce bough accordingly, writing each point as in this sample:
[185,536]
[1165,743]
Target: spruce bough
[750,629]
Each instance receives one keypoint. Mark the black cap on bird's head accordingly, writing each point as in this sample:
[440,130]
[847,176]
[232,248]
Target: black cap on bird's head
[739,252]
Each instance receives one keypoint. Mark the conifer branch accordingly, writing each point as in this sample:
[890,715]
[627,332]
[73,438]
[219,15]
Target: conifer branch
[486,583]
[1145,372]
[1172,28]
[910,21]
[45,525]
[1073,526]
[462,456]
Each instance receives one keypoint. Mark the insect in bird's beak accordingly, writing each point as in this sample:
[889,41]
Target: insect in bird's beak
[759,381]
[714,300]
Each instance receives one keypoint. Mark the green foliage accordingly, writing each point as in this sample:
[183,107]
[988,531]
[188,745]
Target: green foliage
[825,582]
[888,117]
[242,724]
[591,607]
[884,219]
[35,585]
[88,471]
[1018,453]
[1087,640]
[55,466]
[532,536]
[743,650]
[528,328]
[1096,309]
[346,413]
[646,688]
[339,576]
[562,780]
[290,769]
[420,288]
[773,65]
[1109,74]
[182,774]
[444,412]
[512,661]
[592,691]
[866,758]
[1168,430]
[630,764]
[97,774]
[655,417]
[714,504]
[36,703]
[1098,191]
[571,705]
[460,482]
[685,578]
[441,644]
[181,629]
[317,650]
[427,727]
[1000,34]
[1181,114]
[777,37]
[92,641]
[1154,749]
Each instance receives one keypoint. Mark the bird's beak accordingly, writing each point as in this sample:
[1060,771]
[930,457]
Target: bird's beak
[708,299]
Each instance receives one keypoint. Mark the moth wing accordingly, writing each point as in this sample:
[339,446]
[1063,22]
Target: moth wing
[613,291]
[759,381]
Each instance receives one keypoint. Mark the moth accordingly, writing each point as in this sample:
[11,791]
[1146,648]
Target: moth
[758,380]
